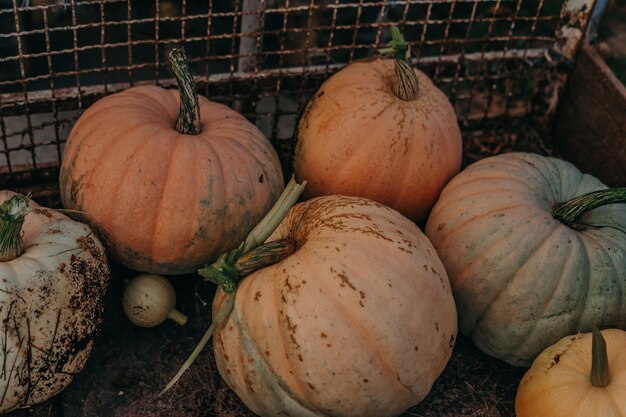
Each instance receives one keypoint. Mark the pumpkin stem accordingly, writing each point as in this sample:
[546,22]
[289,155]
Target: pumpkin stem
[12,213]
[245,259]
[405,84]
[570,212]
[176,315]
[264,255]
[600,376]
[219,318]
[248,257]
[188,121]
[226,272]
[222,273]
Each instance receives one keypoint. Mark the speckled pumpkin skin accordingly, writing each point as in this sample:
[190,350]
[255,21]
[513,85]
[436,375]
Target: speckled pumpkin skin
[522,280]
[357,138]
[557,385]
[166,202]
[51,304]
[359,321]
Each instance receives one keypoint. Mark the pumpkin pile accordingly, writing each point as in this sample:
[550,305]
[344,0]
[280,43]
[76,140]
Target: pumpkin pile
[338,305]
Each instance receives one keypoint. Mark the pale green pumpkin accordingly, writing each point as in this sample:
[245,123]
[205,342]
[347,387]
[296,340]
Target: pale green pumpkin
[522,279]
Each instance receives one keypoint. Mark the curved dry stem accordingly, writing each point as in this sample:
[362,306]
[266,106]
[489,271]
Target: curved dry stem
[223,271]
[219,318]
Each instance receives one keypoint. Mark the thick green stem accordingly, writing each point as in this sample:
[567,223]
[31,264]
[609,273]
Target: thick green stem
[570,212]
[224,272]
[600,376]
[12,213]
[188,121]
[405,84]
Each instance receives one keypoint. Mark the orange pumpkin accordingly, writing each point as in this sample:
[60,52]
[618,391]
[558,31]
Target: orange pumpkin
[358,321]
[583,375]
[168,199]
[380,130]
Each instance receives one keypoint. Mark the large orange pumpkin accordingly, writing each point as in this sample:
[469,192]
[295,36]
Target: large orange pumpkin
[168,199]
[380,130]
[358,321]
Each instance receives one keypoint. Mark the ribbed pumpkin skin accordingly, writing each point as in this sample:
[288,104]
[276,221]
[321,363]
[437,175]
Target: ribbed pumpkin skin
[557,385]
[521,279]
[51,305]
[357,138]
[167,202]
[359,321]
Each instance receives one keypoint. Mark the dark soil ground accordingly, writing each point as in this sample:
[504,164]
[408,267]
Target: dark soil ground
[130,365]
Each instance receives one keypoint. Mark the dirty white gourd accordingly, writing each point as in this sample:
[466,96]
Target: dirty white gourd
[149,300]
[53,276]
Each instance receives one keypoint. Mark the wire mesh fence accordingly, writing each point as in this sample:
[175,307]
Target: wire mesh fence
[501,62]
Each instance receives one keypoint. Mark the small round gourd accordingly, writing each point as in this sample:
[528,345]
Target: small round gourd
[149,300]
[530,254]
[358,321]
[382,130]
[171,179]
[53,276]
[583,375]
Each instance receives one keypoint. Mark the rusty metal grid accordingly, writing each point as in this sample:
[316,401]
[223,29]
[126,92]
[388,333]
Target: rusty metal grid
[499,61]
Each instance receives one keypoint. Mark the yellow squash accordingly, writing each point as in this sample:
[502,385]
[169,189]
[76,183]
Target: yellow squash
[574,379]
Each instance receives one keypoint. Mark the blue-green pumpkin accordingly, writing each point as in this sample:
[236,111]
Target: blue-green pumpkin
[535,250]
